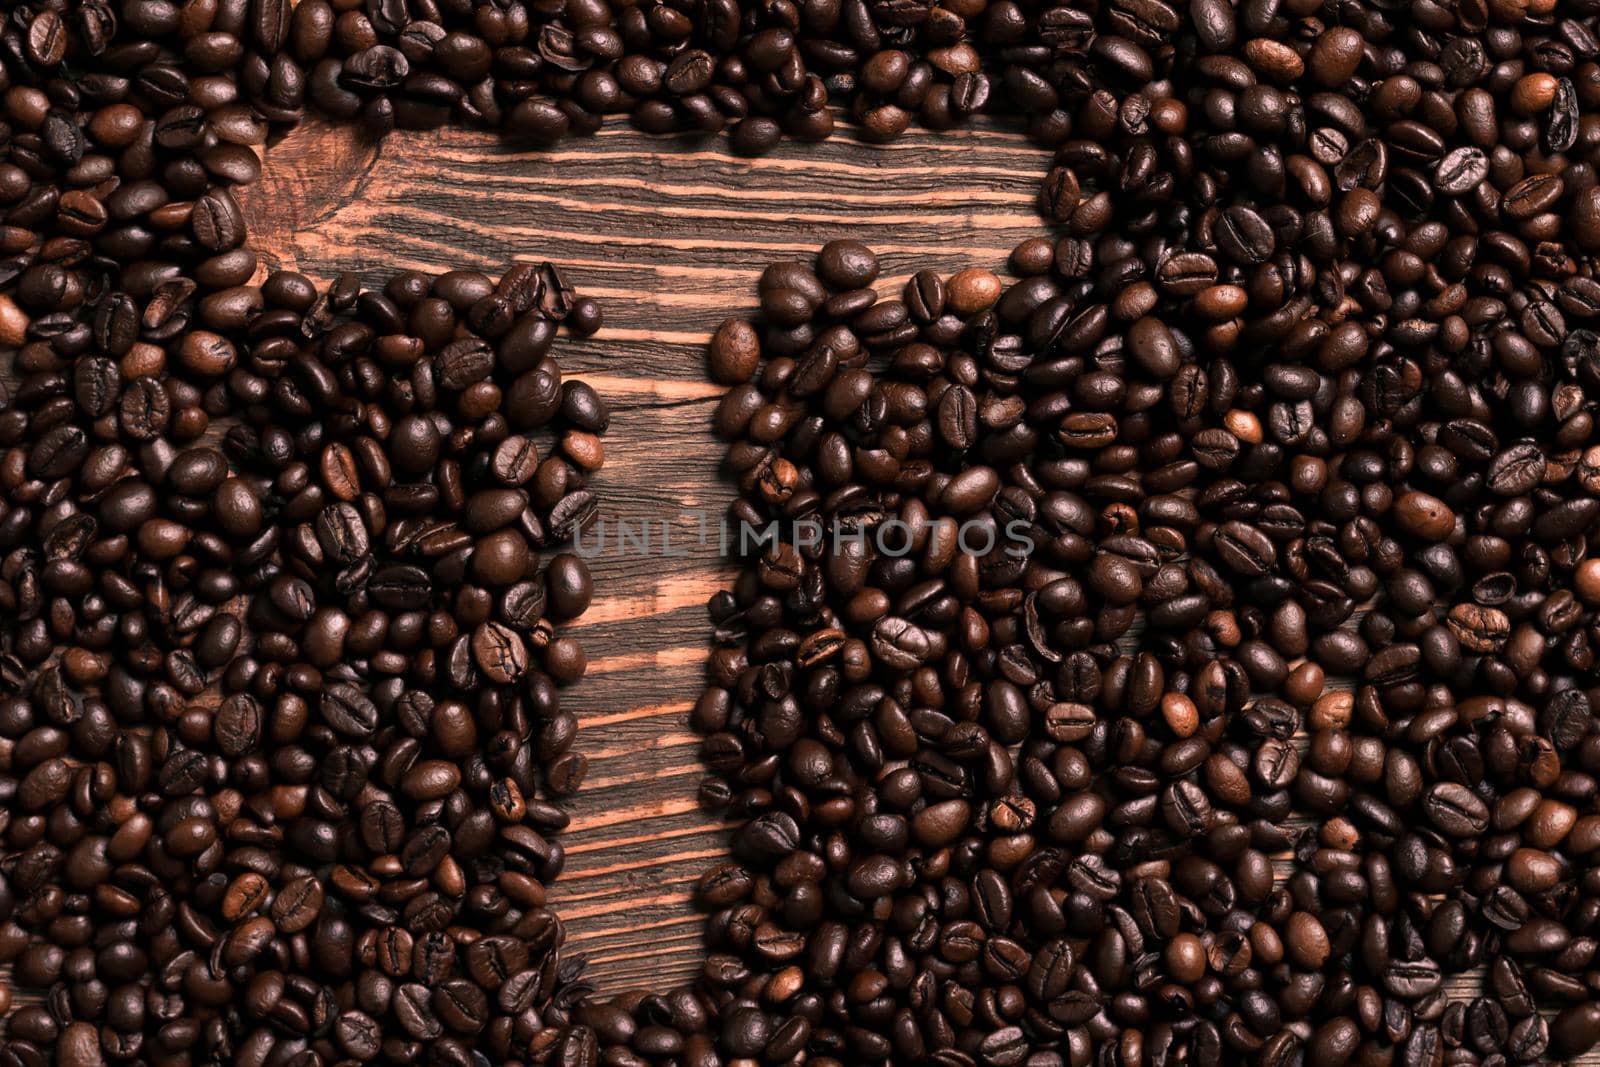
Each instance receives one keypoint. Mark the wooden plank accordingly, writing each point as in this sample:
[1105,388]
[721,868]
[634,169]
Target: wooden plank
[670,235]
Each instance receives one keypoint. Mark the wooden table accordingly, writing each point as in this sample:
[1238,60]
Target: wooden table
[670,235]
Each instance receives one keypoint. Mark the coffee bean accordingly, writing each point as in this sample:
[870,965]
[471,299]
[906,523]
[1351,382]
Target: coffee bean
[734,353]
[238,725]
[47,39]
[297,904]
[1455,810]
[414,1012]
[499,652]
[348,710]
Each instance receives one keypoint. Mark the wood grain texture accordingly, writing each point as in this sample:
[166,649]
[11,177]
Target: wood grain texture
[670,235]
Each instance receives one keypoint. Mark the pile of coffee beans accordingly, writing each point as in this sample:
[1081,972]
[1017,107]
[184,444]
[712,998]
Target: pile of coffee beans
[1188,652]
[281,733]
[1034,708]
[282,729]
[542,71]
